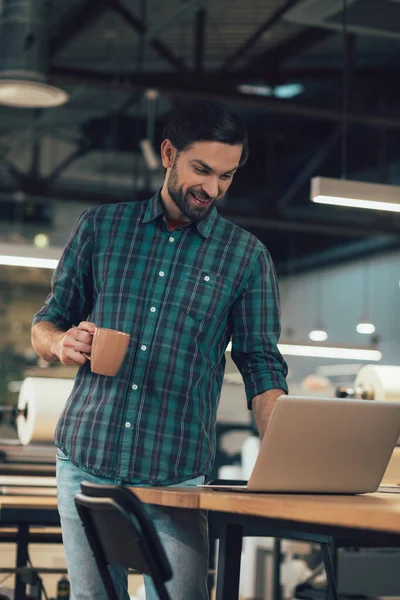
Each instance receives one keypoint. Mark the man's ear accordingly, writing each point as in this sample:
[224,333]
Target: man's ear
[167,154]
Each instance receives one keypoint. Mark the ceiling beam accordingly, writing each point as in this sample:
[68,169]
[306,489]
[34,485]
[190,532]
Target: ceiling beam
[178,87]
[138,25]
[378,74]
[309,169]
[327,226]
[338,254]
[273,59]
[254,38]
[79,17]
[68,161]
[316,226]
[215,79]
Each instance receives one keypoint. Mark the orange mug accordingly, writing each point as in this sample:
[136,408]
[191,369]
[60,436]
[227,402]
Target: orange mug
[109,347]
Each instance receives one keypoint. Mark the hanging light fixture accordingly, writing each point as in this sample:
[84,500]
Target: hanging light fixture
[23,56]
[343,192]
[318,333]
[356,194]
[365,325]
[147,144]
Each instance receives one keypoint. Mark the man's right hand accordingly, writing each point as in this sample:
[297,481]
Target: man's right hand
[69,346]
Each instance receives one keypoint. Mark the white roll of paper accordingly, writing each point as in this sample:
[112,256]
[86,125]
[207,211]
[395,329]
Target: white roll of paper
[383,382]
[43,399]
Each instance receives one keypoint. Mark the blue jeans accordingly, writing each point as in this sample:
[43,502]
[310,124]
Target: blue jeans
[183,533]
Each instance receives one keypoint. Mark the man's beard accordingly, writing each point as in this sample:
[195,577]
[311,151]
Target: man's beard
[183,201]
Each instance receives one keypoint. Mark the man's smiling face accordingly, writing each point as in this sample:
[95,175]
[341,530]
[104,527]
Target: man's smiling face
[199,176]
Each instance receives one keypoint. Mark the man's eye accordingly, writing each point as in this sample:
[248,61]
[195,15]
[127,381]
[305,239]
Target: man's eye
[200,171]
[226,177]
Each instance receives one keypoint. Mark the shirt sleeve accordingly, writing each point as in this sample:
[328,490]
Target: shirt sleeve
[255,325]
[71,297]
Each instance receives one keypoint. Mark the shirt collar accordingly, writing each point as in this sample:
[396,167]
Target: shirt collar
[154,209]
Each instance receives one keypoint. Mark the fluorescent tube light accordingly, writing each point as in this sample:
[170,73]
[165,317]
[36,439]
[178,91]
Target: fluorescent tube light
[330,352]
[288,90]
[18,255]
[256,90]
[322,351]
[26,261]
[355,194]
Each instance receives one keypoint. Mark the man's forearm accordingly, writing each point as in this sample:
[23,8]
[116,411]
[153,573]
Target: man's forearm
[45,335]
[262,407]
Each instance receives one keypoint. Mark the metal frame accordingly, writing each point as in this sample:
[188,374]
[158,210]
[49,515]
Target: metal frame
[22,519]
[176,86]
[194,82]
[253,39]
[230,528]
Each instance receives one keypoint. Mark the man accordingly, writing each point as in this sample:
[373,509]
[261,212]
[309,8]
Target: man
[182,281]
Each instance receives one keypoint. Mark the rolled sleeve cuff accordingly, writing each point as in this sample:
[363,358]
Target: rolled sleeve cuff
[257,383]
[60,323]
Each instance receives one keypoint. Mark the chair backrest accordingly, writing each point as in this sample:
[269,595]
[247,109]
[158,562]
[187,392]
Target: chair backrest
[122,528]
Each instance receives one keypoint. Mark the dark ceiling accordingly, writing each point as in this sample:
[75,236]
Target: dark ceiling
[107,53]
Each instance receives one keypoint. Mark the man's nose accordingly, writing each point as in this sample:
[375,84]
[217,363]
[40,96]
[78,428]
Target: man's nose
[210,187]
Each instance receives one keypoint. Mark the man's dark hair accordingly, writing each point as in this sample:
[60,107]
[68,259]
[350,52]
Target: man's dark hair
[206,121]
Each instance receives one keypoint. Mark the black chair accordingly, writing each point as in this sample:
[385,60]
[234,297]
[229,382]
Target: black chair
[120,532]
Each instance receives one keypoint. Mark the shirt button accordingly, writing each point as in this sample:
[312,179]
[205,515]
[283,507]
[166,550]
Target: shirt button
[206,278]
[171,239]
[134,387]
[161,273]
[127,424]
[143,347]
[152,309]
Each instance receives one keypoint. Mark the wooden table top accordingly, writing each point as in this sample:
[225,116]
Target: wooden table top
[373,512]
[28,502]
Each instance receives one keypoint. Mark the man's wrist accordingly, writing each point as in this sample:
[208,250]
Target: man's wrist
[262,406]
[56,343]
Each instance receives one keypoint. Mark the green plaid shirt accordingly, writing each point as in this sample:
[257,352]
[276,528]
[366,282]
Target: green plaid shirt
[181,296]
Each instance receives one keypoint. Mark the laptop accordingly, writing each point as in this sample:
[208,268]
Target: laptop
[324,445]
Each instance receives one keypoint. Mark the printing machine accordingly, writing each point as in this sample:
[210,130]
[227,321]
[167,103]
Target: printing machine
[26,471]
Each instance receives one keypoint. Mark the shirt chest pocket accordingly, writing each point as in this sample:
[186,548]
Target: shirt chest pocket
[205,295]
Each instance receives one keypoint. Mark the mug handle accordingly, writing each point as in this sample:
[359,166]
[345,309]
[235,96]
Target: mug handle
[84,353]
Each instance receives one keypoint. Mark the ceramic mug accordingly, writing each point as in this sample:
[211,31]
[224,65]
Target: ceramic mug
[109,347]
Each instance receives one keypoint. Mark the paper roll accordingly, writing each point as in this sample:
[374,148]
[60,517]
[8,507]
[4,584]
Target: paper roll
[43,399]
[382,382]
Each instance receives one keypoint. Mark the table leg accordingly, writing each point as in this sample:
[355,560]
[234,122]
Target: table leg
[330,572]
[277,569]
[229,556]
[22,559]
[211,565]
